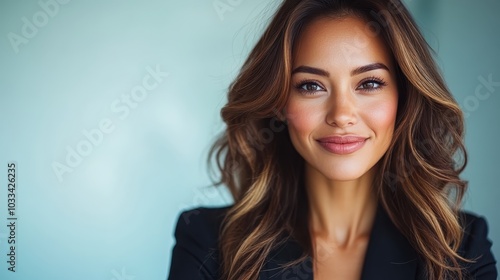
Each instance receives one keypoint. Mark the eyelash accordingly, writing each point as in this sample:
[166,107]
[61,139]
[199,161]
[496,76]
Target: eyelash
[372,79]
[381,83]
[300,84]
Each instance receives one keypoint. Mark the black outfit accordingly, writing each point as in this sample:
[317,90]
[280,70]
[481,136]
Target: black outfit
[389,254]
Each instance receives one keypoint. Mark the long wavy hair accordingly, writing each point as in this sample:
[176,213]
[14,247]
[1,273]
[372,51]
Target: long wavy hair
[419,184]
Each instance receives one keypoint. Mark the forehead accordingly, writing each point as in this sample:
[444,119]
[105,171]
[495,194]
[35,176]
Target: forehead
[346,41]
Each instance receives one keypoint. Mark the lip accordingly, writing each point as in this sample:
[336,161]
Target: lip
[342,145]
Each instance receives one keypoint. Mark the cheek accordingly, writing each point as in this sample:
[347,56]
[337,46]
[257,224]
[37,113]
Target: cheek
[302,117]
[381,116]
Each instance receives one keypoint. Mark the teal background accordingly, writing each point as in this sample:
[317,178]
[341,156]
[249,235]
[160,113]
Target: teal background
[112,217]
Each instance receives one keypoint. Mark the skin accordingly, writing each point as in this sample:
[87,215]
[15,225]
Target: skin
[339,187]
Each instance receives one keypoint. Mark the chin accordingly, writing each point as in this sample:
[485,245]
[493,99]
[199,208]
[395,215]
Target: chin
[342,174]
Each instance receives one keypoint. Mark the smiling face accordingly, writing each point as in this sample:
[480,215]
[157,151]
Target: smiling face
[342,106]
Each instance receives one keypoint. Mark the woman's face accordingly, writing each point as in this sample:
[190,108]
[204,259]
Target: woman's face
[343,101]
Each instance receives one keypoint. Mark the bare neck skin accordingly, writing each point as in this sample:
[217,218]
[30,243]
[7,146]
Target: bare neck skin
[341,212]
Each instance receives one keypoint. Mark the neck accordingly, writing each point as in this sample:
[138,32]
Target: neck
[341,212]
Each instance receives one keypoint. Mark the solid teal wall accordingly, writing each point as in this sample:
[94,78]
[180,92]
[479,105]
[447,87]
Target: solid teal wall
[136,87]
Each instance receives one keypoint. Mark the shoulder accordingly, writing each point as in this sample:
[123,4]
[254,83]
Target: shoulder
[476,245]
[475,229]
[195,253]
[206,219]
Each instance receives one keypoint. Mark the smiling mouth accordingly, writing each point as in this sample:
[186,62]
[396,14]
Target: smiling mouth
[342,145]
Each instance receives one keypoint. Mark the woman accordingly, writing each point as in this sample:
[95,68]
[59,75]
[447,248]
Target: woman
[341,154]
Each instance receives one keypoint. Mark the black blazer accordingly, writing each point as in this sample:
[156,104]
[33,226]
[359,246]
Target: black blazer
[388,256]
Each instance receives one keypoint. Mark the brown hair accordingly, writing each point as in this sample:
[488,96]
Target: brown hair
[264,173]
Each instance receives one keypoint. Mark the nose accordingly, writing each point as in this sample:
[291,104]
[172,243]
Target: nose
[341,110]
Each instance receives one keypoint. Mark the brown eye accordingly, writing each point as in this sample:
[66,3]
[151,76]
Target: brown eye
[311,87]
[371,84]
[308,87]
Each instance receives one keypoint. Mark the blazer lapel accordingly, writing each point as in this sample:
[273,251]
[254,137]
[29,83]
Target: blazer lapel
[288,252]
[389,254]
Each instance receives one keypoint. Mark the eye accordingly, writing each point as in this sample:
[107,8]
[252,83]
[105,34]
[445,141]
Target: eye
[308,87]
[372,83]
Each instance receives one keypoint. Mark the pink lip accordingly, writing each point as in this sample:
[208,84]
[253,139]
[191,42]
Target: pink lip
[342,144]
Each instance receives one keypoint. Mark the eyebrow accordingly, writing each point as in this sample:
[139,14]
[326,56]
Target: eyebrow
[356,71]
